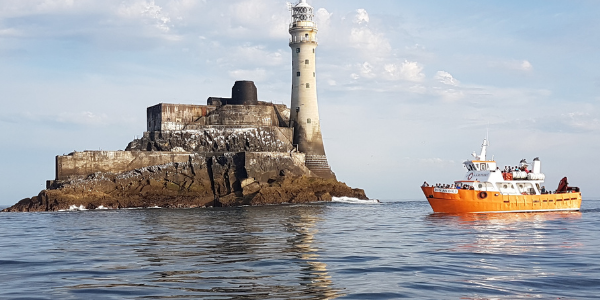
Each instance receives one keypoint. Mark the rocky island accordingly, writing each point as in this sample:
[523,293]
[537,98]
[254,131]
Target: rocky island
[230,152]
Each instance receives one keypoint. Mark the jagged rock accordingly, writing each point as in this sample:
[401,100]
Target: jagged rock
[216,139]
[229,179]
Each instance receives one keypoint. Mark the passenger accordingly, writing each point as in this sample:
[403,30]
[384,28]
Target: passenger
[543,189]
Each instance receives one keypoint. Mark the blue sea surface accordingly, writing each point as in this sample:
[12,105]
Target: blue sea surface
[391,250]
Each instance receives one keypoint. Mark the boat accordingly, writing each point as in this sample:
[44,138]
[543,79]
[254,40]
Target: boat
[487,189]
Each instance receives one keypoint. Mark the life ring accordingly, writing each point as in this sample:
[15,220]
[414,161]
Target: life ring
[482,195]
[470,176]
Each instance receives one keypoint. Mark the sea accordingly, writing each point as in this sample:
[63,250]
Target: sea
[340,250]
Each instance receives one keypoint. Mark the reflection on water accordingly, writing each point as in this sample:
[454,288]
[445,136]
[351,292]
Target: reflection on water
[508,233]
[261,253]
[506,244]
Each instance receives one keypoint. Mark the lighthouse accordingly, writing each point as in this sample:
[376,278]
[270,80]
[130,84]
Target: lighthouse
[304,105]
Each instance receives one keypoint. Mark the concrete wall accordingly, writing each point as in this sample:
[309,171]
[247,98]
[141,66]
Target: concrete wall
[256,165]
[264,165]
[175,116]
[172,117]
[90,162]
[254,115]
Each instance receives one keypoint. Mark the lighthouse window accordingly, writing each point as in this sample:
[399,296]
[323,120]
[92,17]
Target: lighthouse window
[298,74]
[297,50]
[314,74]
[313,50]
[308,85]
[306,62]
[308,121]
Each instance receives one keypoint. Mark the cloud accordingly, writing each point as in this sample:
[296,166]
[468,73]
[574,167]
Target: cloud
[362,17]
[258,74]
[149,12]
[10,32]
[449,94]
[446,78]
[254,55]
[366,70]
[515,65]
[82,118]
[323,18]
[407,70]
[372,44]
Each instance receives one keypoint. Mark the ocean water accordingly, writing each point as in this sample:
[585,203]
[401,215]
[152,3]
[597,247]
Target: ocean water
[391,250]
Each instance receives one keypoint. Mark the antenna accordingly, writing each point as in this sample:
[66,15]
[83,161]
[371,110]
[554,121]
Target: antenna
[487,133]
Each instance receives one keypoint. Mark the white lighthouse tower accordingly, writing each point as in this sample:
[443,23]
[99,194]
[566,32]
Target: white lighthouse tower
[304,108]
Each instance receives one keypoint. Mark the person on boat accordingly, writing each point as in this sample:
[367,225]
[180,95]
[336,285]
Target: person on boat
[425,184]
[543,189]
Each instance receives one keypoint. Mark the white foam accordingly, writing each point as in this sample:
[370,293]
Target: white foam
[74,208]
[102,207]
[354,200]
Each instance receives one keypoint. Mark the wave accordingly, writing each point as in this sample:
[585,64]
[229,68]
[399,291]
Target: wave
[354,200]
[74,208]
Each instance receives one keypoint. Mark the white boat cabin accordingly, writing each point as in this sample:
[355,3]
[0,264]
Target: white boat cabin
[485,175]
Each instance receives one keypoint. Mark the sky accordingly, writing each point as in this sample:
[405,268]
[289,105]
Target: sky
[407,89]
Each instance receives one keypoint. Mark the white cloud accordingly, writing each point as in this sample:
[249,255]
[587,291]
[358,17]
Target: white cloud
[258,74]
[256,17]
[82,118]
[526,66]
[323,18]
[449,94]
[408,70]
[256,55]
[361,16]
[516,65]
[366,70]
[581,121]
[446,78]
[10,32]
[149,12]
[372,44]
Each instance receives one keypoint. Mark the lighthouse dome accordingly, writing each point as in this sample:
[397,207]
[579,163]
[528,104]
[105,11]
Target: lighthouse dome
[302,12]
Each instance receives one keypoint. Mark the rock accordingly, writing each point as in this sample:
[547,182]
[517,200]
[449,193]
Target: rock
[203,181]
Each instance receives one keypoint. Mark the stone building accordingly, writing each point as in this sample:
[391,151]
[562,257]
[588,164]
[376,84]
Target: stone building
[239,124]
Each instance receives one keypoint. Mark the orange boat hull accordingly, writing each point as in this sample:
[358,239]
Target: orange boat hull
[472,201]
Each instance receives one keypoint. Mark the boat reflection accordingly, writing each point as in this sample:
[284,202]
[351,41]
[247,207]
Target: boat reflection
[501,218]
[506,233]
